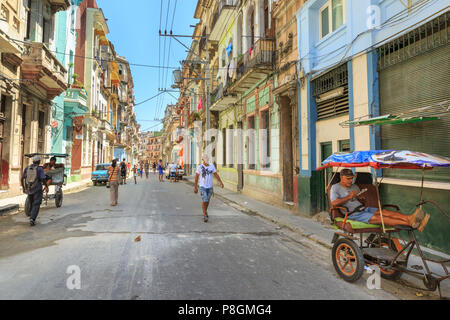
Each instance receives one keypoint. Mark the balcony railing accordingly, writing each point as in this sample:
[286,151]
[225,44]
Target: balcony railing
[257,61]
[261,55]
[40,65]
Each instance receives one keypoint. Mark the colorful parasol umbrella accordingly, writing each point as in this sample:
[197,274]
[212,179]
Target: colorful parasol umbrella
[379,159]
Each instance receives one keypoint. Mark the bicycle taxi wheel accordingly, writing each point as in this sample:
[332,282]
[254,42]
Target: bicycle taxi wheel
[348,260]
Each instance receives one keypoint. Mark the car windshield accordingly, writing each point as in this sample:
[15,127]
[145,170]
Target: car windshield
[102,167]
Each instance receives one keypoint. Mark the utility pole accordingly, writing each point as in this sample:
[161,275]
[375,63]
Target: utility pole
[208,75]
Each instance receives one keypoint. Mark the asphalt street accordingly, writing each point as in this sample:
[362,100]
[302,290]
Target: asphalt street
[233,256]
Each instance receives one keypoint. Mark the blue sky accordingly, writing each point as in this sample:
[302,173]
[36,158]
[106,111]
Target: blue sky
[134,31]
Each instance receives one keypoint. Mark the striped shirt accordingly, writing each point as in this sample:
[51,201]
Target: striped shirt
[113,173]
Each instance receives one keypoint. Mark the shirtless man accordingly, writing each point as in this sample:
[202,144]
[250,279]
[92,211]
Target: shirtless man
[50,166]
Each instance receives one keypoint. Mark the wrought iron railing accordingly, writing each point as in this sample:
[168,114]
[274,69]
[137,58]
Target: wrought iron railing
[428,36]
[336,78]
[260,55]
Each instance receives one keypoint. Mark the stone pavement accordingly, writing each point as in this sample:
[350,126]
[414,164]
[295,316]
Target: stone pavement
[320,232]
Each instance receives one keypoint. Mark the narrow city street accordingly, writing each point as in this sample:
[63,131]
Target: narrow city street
[233,256]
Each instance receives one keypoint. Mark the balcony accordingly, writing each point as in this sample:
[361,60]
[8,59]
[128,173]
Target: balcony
[59,5]
[42,67]
[222,17]
[105,126]
[75,102]
[221,99]
[254,66]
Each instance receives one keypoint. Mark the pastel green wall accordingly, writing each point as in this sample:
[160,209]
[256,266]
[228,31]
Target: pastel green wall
[436,234]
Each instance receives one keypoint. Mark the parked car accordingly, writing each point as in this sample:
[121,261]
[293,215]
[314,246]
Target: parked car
[100,175]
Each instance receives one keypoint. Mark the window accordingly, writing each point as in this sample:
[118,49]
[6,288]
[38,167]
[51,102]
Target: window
[46,26]
[331,16]
[265,139]
[28,12]
[251,143]
[344,146]
[3,105]
[224,146]
[41,120]
[230,146]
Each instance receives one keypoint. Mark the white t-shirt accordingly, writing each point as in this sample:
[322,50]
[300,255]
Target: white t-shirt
[173,167]
[206,175]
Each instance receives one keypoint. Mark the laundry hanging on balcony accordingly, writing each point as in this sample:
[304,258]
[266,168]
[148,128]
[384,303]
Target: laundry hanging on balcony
[232,69]
[229,49]
[200,105]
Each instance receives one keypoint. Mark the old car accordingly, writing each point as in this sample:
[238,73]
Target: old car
[100,175]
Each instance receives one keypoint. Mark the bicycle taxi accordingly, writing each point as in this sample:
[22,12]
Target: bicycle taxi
[59,179]
[380,245]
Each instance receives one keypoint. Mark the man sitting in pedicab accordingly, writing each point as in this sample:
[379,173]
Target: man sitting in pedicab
[50,166]
[345,194]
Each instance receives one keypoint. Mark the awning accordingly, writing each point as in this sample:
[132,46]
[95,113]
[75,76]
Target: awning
[428,113]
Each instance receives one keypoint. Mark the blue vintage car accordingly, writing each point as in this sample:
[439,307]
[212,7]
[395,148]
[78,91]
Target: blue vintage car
[100,175]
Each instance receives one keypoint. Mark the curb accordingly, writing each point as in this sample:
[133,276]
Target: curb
[9,209]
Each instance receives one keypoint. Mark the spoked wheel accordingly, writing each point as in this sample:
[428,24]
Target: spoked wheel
[390,274]
[348,259]
[28,207]
[59,199]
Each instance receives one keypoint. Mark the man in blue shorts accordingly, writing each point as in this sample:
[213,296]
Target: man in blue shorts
[204,178]
[345,194]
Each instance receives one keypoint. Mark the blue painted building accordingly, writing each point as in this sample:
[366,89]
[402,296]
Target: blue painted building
[365,58]
[72,103]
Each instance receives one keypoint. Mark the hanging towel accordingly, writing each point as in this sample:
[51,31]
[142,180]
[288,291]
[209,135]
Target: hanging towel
[229,49]
[232,68]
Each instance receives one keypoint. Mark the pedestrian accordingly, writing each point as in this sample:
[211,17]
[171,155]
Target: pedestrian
[160,171]
[204,178]
[154,167]
[123,172]
[135,174]
[32,179]
[173,172]
[147,169]
[141,169]
[113,179]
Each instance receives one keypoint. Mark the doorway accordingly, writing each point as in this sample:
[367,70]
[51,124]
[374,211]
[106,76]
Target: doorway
[326,150]
[286,150]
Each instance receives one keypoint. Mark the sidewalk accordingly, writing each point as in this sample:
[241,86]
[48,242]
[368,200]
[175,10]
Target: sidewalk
[321,233]
[10,205]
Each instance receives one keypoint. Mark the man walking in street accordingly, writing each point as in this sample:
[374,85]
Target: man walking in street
[160,171]
[173,172]
[32,179]
[135,173]
[123,172]
[113,179]
[204,178]
[147,169]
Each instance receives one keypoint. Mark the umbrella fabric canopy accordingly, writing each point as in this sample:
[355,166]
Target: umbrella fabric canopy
[379,159]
